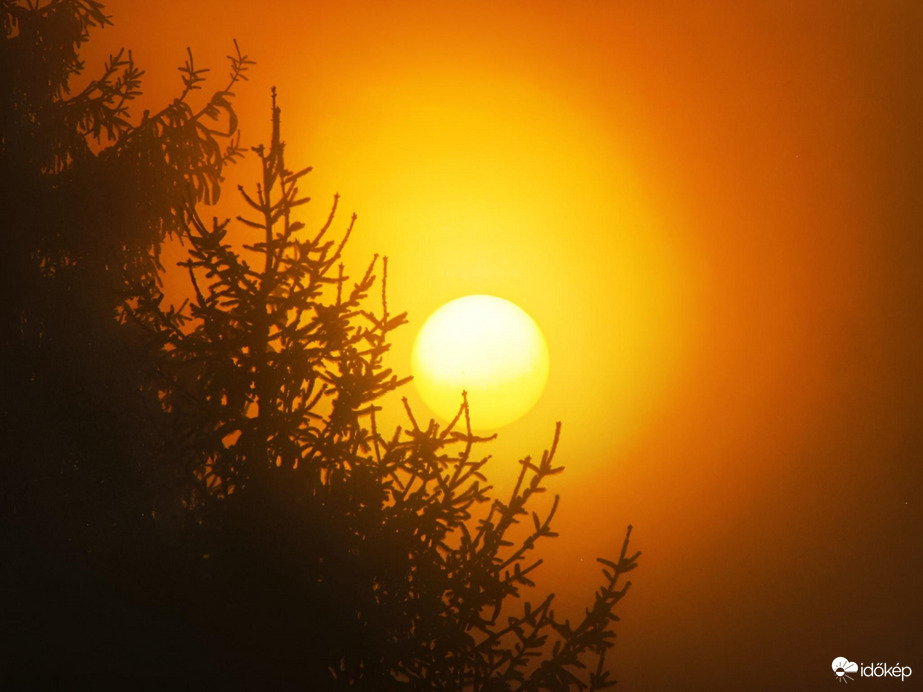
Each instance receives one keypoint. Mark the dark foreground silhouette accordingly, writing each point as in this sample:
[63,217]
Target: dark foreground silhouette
[201,496]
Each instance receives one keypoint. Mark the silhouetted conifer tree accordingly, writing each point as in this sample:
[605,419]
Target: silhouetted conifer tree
[86,197]
[343,554]
[234,490]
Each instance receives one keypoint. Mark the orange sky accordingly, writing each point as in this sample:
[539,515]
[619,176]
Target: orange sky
[712,211]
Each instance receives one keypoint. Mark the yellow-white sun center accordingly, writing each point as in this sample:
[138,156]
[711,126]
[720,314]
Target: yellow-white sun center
[488,347]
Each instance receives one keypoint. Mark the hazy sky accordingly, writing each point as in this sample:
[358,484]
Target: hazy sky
[712,209]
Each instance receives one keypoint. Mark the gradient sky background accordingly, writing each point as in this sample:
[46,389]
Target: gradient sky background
[713,212]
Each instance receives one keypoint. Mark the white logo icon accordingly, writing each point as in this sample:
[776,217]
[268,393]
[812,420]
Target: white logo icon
[841,666]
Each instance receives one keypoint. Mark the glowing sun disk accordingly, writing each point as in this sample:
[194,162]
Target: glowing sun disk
[488,347]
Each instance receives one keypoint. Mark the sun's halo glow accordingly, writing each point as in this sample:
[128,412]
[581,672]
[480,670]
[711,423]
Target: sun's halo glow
[488,347]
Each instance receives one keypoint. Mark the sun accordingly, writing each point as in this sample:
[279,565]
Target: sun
[488,347]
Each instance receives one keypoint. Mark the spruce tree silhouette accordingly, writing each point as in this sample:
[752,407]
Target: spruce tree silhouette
[87,198]
[201,496]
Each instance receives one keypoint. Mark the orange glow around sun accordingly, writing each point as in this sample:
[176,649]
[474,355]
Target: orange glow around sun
[478,184]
